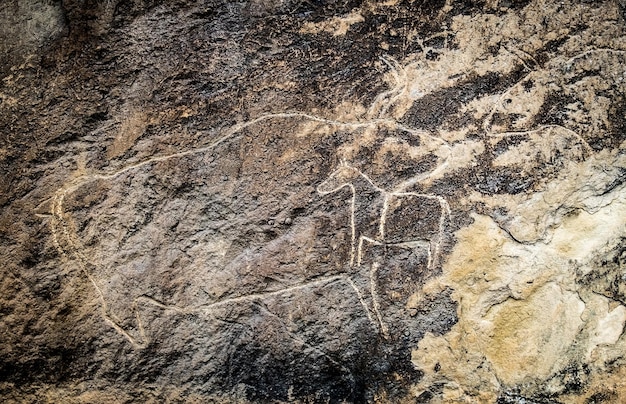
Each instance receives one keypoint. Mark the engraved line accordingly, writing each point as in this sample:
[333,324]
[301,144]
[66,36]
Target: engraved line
[303,342]
[344,176]
[60,225]
[362,300]
[259,296]
[352,224]
[590,51]
[541,128]
[376,298]
[400,87]
[487,121]
[379,101]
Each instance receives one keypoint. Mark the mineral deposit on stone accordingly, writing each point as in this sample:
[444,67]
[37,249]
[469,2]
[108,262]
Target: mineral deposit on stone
[277,201]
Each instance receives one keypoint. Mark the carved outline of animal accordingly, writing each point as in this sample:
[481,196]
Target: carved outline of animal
[489,119]
[70,246]
[347,176]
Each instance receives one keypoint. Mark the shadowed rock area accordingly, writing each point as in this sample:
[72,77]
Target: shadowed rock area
[312,201]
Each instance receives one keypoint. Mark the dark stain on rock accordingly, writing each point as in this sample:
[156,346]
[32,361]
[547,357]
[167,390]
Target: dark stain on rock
[442,107]
[607,279]
[552,111]
[504,181]
[602,397]
[574,378]
[617,119]
[514,4]
[466,7]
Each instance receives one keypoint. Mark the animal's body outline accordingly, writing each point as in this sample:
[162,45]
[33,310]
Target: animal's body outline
[68,243]
[345,176]
[70,246]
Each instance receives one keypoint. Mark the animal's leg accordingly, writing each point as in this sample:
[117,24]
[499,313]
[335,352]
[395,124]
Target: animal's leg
[435,241]
[376,299]
[433,253]
[430,252]
[353,251]
[141,314]
[129,315]
[362,239]
[134,333]
[360,252]
[361,298]
[366,282]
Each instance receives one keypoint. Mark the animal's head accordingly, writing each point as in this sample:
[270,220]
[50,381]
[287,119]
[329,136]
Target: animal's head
[342,176]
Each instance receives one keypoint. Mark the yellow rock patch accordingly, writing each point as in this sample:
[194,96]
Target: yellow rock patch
[521,318]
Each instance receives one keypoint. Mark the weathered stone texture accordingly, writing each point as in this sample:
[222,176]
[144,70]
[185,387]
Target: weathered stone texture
[312,201]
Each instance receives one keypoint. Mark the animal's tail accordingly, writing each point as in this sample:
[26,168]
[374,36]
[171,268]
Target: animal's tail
[70,247]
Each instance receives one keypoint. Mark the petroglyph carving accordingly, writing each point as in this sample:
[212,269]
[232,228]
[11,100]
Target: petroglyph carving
[524,112]
[378,217]
[389,222]
[384,218]
[385,100]
[71,247]
[69,244]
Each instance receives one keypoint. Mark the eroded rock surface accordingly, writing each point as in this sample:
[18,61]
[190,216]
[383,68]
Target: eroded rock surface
[290,201]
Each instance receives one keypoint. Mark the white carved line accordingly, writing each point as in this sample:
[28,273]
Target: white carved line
[343,177]
[263,295]
[383,216]
[574,134]
[381,103]
[252,298]
[73,248]
[360,248]
[595,50]
[73,251]
[489,117]
[521,59]
[352,224]
[568,63]
[376,299]
[442,163]
[362,301]
[372,123]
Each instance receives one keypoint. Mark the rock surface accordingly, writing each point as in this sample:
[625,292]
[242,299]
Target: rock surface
[311,201]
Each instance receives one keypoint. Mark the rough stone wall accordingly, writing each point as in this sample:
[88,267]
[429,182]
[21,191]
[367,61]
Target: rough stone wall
[312,201]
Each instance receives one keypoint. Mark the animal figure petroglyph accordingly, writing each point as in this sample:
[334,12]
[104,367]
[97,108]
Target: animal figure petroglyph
[378,217]
[71,246]
[69,243]
[384,218]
